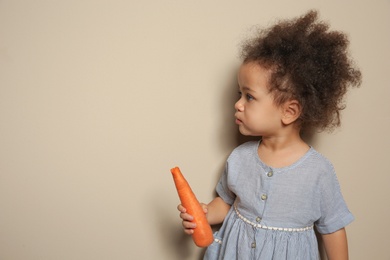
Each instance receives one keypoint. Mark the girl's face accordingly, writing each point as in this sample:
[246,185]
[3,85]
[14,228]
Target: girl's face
[256,114]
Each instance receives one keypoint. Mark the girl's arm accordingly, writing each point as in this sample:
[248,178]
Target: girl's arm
[215,211]
[336,245]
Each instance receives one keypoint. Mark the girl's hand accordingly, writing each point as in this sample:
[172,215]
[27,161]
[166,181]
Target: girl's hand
[187,223]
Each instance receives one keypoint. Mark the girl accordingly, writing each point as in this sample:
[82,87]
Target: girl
[274,191]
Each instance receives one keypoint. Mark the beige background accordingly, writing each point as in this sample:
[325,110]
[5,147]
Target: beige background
[99,99]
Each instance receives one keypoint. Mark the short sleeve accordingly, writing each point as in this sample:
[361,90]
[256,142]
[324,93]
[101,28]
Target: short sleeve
[334,211]
[222,188]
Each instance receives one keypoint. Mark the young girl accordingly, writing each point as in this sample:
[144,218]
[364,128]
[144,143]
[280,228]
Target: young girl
[273,192]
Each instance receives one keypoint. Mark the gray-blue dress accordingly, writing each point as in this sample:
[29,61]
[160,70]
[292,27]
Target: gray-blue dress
[274,209]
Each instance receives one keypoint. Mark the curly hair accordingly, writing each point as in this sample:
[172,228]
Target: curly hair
[308,63]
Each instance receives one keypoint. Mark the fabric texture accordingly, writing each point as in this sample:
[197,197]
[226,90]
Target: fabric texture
[274,209]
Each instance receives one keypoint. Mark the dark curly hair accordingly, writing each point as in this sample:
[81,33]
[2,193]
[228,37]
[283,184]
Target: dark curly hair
[308,63]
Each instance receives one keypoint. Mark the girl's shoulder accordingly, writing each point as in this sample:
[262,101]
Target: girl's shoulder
[318,167]
[245,148]
[244,153]
[248,145]
[320,160]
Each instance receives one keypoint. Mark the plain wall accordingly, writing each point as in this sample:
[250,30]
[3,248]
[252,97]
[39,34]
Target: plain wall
[99,99]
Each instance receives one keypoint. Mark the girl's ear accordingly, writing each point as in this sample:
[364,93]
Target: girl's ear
[291,111]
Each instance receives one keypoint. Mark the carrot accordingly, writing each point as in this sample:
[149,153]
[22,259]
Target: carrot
[203,235]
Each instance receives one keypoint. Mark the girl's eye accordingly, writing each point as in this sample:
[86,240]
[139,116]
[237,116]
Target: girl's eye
[249,97]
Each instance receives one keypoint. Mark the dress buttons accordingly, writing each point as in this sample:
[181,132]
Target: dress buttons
[258,219]
[253,245]
[270,174]
[264,197]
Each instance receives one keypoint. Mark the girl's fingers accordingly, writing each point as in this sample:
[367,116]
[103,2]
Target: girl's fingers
[186,217]
[204,206]
[188,225]
[181,208]
[189,231]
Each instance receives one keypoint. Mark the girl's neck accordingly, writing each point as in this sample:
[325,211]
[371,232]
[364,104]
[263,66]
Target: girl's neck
[281,142]
[282,151]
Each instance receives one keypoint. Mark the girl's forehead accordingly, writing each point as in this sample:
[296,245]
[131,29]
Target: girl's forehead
[253,72]
[253,78]
[254,68]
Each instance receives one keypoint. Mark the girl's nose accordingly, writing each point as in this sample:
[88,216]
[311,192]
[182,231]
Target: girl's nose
[239,105]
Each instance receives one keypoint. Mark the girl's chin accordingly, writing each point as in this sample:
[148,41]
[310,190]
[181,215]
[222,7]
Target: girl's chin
[247,132]
[244,131]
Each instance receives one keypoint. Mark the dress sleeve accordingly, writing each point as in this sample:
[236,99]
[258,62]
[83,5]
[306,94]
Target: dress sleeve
[223,187]
[334,211]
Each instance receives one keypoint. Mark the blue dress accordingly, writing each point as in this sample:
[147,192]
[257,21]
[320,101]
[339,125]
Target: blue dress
[274,210]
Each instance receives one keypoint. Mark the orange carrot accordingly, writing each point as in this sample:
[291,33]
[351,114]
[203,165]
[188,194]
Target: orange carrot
[203,235]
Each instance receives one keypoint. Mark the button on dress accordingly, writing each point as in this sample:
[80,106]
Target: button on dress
[274,210]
